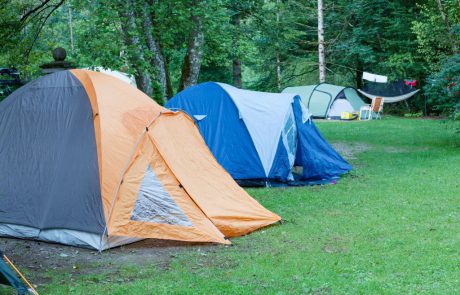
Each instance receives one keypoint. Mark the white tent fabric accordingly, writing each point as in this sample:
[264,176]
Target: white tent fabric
[289,137]
[117,74]
[339,106]
[390,99]
[265,116]
[199,117]
[65,236]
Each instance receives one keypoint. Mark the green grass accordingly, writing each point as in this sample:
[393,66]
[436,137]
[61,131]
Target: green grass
[392,226]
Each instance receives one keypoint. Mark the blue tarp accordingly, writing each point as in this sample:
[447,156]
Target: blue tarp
[224,127]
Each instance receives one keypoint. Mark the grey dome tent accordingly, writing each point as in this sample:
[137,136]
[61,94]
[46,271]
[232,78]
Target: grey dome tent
[327,100]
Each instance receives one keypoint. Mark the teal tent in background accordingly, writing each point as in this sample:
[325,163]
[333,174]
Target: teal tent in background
[9,278]
[327,100]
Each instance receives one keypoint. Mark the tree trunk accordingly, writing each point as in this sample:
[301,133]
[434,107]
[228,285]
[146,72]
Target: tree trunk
[237,74]
[359,74]
[72,46]
[136,51]
[192,61]
[157,61]
[445,18]
[278,59]
[278,71]
[321,50]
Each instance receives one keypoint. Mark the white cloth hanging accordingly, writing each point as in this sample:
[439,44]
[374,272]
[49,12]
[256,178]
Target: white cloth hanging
[375,78]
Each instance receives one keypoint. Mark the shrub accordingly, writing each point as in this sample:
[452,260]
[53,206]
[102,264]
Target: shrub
[443,88]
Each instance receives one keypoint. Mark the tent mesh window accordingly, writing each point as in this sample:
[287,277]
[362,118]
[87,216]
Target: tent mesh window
[155,205]
[289,136]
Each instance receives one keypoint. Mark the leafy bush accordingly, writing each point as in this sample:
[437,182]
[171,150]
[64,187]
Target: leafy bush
[413,115]
[443,88]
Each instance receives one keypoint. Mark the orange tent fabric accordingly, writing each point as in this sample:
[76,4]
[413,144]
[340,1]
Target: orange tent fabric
[157,177]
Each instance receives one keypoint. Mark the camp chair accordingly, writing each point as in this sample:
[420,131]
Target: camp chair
[376,107]
[9,276]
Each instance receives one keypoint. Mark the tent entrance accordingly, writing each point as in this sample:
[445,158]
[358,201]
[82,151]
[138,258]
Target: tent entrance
[340,105]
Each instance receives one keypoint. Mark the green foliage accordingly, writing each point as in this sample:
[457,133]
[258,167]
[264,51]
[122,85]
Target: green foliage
[443,87]
[400,39]
[433,42]
[413,115]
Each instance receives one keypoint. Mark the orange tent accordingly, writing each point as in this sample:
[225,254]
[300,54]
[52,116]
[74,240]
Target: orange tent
[89,160]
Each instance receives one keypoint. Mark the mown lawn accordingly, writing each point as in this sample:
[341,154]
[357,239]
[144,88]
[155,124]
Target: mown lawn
[392,226]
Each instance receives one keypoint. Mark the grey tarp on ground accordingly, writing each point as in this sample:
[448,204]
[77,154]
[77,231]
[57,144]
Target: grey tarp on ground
[49,177]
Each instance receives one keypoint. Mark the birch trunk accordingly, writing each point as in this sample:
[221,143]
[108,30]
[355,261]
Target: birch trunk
[192,61]
[321,50]
[278,58]
[278,71]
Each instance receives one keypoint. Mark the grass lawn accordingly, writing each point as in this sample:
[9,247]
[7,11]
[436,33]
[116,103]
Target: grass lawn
[392,226]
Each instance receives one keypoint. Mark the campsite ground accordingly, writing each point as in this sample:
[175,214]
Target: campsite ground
[390,226]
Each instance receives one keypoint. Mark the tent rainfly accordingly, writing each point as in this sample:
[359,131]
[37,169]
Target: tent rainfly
[259,137]
[328,101]
[88,161]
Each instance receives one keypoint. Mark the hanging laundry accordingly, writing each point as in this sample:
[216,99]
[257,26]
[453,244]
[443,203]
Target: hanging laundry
[375,78]
[411,82]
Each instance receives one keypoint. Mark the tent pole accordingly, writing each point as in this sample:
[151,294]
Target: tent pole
[20,274]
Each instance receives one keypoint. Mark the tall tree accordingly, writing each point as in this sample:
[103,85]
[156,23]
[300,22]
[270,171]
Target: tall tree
[192,60]
[135,46]
[236,62]
[278,54]
[450,34]
[321,49]
[157,59]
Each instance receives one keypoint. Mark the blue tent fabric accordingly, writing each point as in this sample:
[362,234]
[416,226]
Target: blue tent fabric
[318,159]
[281,167]
[227,136]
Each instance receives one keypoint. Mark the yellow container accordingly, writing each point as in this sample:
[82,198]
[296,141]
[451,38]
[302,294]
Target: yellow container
[346,116]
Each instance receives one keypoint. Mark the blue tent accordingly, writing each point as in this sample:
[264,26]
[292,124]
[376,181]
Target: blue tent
[259,137]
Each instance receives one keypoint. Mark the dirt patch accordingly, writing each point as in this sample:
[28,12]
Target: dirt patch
[401,150]
[350,150]
[38,258]
[395,150]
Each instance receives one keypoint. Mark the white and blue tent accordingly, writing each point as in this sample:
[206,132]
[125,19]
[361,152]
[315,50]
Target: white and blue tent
[259,137]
